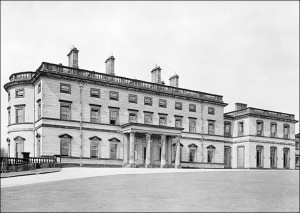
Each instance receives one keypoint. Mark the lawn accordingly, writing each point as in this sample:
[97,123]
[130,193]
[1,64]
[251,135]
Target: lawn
[255,191]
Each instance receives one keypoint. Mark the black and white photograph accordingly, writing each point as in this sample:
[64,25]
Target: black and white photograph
[150,106]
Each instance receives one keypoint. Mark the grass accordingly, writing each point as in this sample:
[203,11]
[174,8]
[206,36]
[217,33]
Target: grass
[255,191]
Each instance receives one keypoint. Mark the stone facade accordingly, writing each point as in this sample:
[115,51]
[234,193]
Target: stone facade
[89,115]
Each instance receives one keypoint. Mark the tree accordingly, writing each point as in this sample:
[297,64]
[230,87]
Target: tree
[3,153]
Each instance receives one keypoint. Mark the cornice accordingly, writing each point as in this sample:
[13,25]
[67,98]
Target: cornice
[11,84]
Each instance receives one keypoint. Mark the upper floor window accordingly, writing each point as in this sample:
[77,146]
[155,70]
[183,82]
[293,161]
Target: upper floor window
[148,118]
[163,103]
[20,93]
[211,110]
[227,129]
[113,116]
[133,117]
[113,96]
[148,101]
[9,115]
[211,127]
[192,124]
[178,121]
[20,114]
[178,105]
[162,120]
[192,107]
[8,95]
[39,88]
[259,128]
[65,88]
[95,114]
[286,131]
[65,111]
[39,108]
[273,130]
[241,128]
[132,99]
[95,93]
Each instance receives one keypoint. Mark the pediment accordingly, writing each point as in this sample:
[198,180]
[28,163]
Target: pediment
[211,147]
[19,138]
[192,145]
[174,144]
[114,139]
[95,138]
[65,136]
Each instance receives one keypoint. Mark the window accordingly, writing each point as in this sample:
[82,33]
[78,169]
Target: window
[39,109]
[259,156]
[94,149]
[148,101]
[113,116]
[162,120]
[286,158]
[9,115]
[227,129]
[65,111]
[178,121]
[113,96]
[273,130]
[286,131]
[65,88]
[95,114]
[259,128]
[65,146]
[8,95]
[163,103]
[192,107]
[148,118]
[192,124]
[113,151]
[211,127]
[95,93]
[132,99]
[133,117]
[39,88]
[192,152]
[19,93]
[211,110]
[297,161]
[241,128]
[273,157]
[210,154]
[178,105]
[297,145]
[20,114]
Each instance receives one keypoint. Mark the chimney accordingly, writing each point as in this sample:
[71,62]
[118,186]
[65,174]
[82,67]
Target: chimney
[73,57]
[156,75]
[174,80]
[240,106]
[110,65]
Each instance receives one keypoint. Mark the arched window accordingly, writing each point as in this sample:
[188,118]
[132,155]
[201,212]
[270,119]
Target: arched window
[210,154]
[19,146]
[65,144]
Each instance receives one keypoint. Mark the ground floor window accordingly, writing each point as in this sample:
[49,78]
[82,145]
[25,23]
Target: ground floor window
[113,151]
[193,152]
[273,157]
[210,154]
[65,147]
[286,158]
[259,156]
[95,149]
[297,162]
[19,149]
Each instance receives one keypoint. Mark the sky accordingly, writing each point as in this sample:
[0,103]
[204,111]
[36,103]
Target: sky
[246,51]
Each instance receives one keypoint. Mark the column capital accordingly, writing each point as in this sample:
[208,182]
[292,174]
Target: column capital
[148,136]
[132,133]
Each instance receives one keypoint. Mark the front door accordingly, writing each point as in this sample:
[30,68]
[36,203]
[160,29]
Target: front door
[19,150]
[227,157]
[240,157]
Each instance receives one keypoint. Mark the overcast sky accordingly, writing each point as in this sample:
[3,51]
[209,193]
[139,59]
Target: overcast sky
[246,51]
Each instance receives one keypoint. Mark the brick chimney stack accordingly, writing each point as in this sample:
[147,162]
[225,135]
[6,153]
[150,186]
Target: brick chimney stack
[240,106]
[73,57]
[110,65]
[156,75]
[174,80]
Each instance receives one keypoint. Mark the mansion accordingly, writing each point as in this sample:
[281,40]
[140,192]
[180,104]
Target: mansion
[90,117]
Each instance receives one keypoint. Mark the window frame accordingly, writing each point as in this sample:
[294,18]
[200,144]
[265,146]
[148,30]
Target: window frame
[229,133]
[162,103]
[151,117]
[149,99]
[210,122]
[92,94]
[68,90]
[111,96]
[134,100]
[112,109]
[39,109]
[210,149]
[179,118]
[94,108]
[241,133]
[178,105]
[192,120]
[64,104]
[97,142]
[161,116]
[211,110]
[286,136]
[19,90]
[22,108]
[192,107]
[9,115]
[261,162]
[261,122]
[271,133]
[67,140]
[135,115]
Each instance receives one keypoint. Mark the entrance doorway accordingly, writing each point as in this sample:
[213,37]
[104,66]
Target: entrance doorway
[227,157]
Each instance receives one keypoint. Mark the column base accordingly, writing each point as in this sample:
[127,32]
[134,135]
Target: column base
[178,167]
[148,166]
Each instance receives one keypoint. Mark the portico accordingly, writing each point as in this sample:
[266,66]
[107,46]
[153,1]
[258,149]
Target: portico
[150,145]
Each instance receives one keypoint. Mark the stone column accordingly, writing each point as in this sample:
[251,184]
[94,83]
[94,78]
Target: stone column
[163,151]
[131,149]
[125,150]
[177,158]
[148,151]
